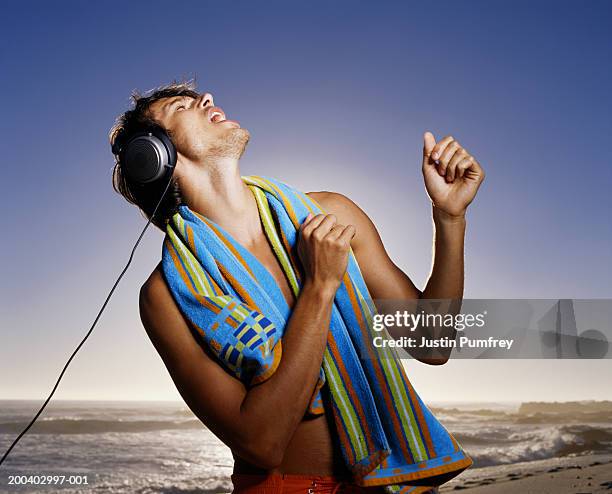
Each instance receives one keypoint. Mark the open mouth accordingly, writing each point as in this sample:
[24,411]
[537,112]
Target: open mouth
[215,114]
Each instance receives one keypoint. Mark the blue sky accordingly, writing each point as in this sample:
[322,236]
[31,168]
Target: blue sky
[336,96]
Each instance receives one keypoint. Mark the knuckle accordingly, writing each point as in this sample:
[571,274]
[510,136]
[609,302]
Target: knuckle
[317,235]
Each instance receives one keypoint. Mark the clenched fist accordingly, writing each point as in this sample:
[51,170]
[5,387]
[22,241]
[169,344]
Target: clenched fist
[452,175]
[323,247]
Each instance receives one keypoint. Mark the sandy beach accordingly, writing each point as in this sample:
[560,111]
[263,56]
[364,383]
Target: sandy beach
[579,475]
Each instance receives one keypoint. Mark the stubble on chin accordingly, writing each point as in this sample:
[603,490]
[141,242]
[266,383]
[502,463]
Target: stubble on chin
[232,145]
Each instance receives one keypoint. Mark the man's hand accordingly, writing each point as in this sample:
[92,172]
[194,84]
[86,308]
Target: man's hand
[323,247]
[452,175]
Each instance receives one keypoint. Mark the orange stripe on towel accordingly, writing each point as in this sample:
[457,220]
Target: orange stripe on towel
[384,386]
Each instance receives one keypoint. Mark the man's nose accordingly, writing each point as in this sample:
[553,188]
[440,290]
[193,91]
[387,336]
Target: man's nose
[206,100]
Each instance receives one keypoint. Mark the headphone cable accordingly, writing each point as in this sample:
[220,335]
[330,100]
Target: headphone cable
[90,330]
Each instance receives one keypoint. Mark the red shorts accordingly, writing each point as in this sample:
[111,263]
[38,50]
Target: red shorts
[283,483]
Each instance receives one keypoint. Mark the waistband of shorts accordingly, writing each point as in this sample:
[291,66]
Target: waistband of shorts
[278,479]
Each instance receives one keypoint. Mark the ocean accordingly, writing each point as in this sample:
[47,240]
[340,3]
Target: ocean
[161,447]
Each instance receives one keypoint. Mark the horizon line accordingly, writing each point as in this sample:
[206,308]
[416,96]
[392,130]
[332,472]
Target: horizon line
[183,403]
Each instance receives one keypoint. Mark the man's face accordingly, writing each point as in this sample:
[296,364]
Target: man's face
[199,129]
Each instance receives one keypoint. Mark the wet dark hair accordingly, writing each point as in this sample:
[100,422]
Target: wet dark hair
[136,120]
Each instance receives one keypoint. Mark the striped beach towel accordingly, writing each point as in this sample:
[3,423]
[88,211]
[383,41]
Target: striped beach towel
[388,437]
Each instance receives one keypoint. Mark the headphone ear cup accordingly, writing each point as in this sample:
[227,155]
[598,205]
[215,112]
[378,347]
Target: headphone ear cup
[170,150]
[149,157]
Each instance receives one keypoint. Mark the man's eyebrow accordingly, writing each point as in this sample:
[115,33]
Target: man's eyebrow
[170,102]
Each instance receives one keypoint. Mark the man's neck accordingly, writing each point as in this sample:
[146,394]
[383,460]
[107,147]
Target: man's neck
[218,192]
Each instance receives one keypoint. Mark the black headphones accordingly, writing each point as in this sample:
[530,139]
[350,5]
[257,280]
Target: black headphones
[147,156]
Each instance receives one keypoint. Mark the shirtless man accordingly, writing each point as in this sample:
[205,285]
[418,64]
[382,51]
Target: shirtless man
[264,426]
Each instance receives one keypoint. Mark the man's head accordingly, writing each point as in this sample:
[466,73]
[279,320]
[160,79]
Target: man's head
[199,131]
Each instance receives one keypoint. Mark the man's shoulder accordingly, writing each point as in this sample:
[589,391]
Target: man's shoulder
[158,310]
[153,286]
[339,205]
[335,203]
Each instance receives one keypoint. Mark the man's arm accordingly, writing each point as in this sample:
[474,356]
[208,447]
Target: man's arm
[385,280]
[452,177]
[447,273]
[257,423]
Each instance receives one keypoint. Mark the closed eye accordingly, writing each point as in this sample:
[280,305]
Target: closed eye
[182,104]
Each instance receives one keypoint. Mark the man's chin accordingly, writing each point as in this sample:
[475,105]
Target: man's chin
[243,133]
[240,138]
[232,144]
